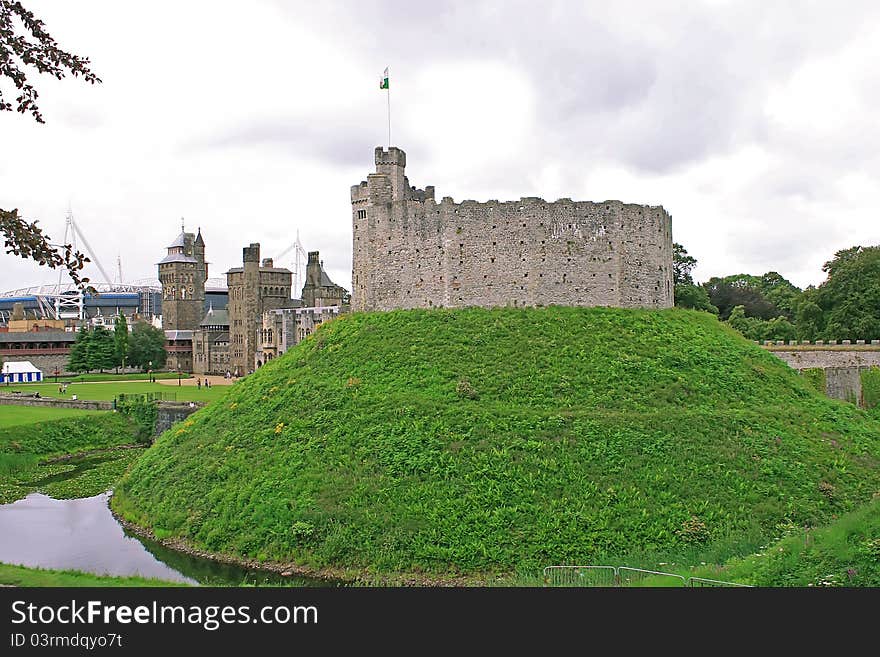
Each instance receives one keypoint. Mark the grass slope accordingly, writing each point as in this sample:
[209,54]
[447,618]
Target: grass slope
[11,575]
[488,441]
[24,450]
[845,552]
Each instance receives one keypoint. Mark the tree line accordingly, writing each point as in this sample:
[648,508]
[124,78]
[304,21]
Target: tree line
[97,348]
[846,306]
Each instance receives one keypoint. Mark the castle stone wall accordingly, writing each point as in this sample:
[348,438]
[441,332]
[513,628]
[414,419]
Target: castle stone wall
[170,413]
[411,252]
[25,400]
[842,364]
[844,383]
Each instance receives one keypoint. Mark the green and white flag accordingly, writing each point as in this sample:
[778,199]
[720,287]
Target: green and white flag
[383,83]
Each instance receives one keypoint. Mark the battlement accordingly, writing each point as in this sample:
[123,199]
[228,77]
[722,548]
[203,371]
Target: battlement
[251,253]
[528,203]
[820,344]
[390,157]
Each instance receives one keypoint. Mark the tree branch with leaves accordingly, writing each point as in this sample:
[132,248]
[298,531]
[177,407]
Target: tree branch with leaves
[25,42]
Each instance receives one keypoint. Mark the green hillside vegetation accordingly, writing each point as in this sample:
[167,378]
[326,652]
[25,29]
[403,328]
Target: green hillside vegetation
[845,552]
[27,451]
[500,441]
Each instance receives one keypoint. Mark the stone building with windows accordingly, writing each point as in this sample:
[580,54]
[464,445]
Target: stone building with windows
[178,347]
[284,328]
[254,288]
[182,273]
[319,291]
[241,337]
[210,344]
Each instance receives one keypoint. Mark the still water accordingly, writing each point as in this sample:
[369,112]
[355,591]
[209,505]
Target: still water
[82,534]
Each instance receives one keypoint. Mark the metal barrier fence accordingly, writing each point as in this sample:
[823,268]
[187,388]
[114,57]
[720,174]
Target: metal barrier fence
[641,577]
[611,576]
[580,576]
[700,582]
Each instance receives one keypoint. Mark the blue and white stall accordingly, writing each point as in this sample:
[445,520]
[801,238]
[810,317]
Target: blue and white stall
[20,372]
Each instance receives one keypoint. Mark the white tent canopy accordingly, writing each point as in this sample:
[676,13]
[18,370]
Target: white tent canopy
[20,372]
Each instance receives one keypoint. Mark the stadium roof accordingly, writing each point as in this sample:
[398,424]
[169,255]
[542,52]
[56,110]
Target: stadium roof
[215,284]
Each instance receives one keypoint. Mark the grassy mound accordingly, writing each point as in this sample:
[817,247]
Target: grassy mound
[478,441]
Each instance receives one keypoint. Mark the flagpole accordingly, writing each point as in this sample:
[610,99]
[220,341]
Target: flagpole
[388,90]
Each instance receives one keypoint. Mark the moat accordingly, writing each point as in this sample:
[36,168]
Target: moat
[81,534]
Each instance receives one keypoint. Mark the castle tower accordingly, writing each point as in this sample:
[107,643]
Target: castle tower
[182,273]
[392,163]
[252,304]
[319,290]
[374,204]
[254,288]
[199,252]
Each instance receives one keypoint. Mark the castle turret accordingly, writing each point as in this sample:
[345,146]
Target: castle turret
[319,290]
[378,204]
[199,250]
[182,273]
[313,269]
[392,163]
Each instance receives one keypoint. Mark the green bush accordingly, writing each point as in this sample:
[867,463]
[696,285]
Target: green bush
[143,412]
[816,378]
[871,386]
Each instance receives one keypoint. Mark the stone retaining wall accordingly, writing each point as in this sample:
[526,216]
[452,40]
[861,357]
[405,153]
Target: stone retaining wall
[29,400]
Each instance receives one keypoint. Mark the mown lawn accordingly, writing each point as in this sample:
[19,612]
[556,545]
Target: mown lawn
[106,391]
[13,416]
[11,575]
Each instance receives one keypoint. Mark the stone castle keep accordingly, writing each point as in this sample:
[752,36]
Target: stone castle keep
[411,252]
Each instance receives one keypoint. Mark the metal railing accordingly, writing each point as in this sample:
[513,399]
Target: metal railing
[581,576]
[642,577]
[700,582]
[623,576]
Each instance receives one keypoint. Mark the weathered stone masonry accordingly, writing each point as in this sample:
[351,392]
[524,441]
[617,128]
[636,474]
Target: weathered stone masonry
[412,252]
[842,364]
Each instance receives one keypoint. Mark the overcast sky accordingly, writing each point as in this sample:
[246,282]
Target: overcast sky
[753,123]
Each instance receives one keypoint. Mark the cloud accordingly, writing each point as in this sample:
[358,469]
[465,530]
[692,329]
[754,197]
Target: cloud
[752,122]
[313,137]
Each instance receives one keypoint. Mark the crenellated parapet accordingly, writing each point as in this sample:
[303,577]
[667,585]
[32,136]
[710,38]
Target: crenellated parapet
[820,344]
